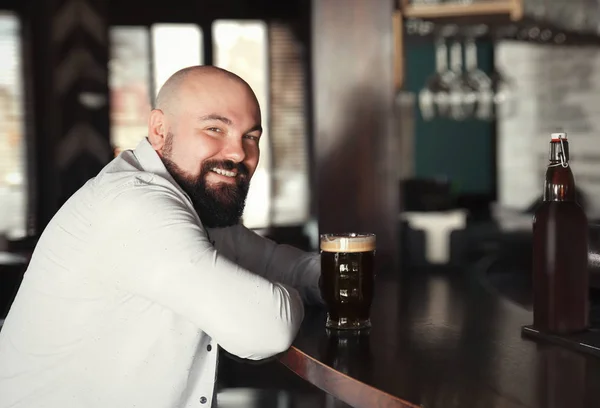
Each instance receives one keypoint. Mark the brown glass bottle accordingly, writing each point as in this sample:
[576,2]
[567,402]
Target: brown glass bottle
[560,245]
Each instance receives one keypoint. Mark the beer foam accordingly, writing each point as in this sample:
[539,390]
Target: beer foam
[347,242]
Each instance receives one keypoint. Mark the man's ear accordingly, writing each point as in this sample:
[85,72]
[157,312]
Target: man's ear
[157,130]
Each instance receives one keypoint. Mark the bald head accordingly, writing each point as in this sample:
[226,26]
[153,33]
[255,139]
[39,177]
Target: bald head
[170,93]
[206,128]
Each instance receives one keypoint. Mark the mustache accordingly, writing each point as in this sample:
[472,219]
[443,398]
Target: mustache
[242,169]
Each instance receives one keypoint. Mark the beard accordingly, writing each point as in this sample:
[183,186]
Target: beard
[220,205]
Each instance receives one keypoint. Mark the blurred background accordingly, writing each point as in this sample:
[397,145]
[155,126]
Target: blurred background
[425,121]
[479,85]
[141,56]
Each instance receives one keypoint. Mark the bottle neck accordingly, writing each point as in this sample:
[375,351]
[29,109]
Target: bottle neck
[556,148]
[559,184]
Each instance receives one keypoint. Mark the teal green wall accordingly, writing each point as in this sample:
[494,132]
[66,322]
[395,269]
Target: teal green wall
[460,151]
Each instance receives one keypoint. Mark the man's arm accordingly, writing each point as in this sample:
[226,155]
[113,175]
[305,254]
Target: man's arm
[278,263]
[155,248]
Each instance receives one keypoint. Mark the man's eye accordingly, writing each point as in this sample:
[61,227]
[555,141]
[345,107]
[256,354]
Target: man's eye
[214,129]
[255,138]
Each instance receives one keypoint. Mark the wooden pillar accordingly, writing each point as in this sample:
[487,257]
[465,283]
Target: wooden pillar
[353,90]
[67,58]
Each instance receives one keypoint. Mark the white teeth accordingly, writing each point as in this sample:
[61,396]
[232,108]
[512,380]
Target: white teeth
[223,172]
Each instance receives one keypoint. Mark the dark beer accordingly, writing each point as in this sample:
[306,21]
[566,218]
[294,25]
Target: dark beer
[347,265]
[560,246]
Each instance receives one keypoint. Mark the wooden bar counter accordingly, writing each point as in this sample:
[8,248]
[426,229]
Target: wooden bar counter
[441,338]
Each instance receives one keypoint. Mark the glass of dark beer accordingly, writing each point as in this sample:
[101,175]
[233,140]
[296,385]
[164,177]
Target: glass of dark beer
[348,279]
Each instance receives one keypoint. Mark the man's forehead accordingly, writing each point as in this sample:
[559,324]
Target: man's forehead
[225,96]
[220,98]
[218,84]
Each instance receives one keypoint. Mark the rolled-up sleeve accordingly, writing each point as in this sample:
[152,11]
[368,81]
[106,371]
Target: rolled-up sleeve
[152,244]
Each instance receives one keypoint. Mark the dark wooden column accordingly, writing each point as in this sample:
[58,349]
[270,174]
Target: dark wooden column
[67,59]
[353,88]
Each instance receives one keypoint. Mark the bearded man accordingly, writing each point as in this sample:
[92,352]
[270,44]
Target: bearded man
[146,269]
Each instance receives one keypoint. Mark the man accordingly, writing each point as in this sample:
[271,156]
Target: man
[145,270]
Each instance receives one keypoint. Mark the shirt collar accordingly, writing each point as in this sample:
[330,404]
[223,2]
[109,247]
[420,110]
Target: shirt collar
[151,162]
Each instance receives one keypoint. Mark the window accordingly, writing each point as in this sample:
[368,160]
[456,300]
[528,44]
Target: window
[241,47]
[141,60]
[175,46]
[129,82]
[271,59]
[13,187]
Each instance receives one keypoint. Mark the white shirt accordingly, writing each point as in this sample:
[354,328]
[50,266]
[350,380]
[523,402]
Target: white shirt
[126,299]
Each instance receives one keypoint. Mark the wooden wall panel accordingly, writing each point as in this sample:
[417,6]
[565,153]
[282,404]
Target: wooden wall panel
[354,145]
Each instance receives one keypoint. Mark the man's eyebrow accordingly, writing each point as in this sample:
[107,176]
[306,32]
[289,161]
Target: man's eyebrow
[255,128]
[214,116]
[227,121]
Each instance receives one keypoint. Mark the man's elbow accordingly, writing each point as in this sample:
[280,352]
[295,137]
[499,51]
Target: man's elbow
[270,340]
[281,339]
[274,334]
[274,340]
[274,337]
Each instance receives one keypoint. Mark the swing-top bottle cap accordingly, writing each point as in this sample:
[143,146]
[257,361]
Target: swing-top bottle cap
[558,136]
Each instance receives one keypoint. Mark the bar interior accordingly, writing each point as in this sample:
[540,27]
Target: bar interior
[459,133]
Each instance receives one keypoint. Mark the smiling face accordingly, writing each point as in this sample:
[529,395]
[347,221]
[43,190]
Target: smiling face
[206,129]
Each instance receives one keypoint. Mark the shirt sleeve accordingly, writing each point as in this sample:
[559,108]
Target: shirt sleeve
[279,263]
[153,245]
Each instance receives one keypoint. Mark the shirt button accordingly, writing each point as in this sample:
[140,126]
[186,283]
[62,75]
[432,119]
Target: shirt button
[203,400]
[209,347]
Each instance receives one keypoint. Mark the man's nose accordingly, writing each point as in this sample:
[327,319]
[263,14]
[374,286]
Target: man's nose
[234,150]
